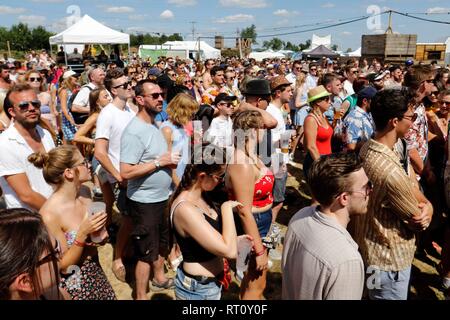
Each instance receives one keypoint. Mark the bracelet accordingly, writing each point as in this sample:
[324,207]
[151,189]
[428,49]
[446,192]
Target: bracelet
[258,254]
[79,243]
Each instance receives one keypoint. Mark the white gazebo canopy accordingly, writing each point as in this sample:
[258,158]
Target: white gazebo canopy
[90,31]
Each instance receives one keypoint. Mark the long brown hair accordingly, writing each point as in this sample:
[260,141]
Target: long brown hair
[23,239]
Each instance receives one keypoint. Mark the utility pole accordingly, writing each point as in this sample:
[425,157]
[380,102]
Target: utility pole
[193,29]
[238,34]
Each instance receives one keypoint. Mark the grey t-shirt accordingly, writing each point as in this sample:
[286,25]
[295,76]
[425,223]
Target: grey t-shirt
[142,143]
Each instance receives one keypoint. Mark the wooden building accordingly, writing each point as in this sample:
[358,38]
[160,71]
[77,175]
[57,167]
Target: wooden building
[427,52]
[389,47]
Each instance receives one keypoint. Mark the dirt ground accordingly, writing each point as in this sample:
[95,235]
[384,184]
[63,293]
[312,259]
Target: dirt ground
[425,281]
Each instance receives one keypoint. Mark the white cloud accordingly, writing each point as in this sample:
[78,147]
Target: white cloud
[136,29]
[438,10]
[182,3]
[328,5]
[285,13]
[11,10]
[167,14]
[244,3]
[119,9]
[33,20]
[346,33]
[236,18]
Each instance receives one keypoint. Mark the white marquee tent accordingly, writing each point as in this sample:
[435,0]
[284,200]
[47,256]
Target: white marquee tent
[269,54]
[208,51]
[89,31]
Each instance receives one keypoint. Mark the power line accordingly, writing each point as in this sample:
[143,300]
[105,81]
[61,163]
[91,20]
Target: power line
[418,18]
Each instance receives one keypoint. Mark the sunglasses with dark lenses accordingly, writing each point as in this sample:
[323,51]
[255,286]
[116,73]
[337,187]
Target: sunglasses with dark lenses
[171,74]
[24,105]
[155,95]
[33,79]
[54,255]
[327,98]
[225,104]
[428,81]
[412,118]
[123,85]
[219,178]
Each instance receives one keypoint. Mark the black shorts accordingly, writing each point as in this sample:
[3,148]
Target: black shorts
[150,233]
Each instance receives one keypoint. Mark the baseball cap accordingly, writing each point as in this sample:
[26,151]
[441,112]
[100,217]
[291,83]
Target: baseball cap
[409,62]
[224,97]
[69,73]
[367,92]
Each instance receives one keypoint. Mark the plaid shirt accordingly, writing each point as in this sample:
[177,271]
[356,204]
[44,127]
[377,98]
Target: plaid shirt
[382,234]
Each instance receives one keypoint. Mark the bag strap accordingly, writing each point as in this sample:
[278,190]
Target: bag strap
[172,210]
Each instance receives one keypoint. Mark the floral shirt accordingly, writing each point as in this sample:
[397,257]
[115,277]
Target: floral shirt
[417,136]
[359,126]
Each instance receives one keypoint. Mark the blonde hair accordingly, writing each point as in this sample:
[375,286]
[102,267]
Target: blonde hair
[54,163]
[301,79]
[246,120]
[182,108]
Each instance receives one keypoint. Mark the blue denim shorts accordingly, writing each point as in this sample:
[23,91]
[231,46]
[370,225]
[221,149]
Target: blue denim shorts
[263,221]
[392,285]
[187,288]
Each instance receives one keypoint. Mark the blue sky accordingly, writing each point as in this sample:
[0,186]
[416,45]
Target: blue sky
[226,16]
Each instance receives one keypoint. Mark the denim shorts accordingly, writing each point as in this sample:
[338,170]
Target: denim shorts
[187,288]
[393,285]
[263,221]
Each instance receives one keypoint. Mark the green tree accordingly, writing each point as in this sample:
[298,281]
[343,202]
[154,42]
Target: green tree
[250,33]
[334,47]
[40,37]
[290,46]
[4,36]
[20,37]
[304,46]
[349,50]
[274,44]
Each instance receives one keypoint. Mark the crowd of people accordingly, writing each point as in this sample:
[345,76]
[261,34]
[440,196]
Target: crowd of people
[194,156]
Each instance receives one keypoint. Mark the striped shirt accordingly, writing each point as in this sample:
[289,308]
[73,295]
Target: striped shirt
[383,236]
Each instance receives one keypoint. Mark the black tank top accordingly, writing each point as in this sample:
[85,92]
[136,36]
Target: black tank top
[191,250]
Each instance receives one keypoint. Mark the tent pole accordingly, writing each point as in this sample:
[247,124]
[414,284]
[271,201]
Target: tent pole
[65,55]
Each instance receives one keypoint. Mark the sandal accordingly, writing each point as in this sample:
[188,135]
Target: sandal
[120,272]
[169,284]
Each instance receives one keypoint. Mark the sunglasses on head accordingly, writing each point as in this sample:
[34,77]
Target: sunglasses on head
[34,79]
[24,105]
[123,85]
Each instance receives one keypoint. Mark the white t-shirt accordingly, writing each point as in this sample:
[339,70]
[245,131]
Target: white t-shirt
[220,132]
[82,98]
[280,128]
[110,125]
[348,89]
[14,160]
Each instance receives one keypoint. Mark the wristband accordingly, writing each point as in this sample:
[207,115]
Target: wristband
[260,253]
[79,243]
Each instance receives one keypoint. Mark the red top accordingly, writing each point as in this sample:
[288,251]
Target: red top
[323,138]
[262,195]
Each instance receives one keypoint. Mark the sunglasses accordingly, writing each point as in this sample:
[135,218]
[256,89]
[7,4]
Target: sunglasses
[412,118]
[428,81]
[219,178]
[171,74]
[123,85]
[155,95]
[54,255]
[231,78]
[314,69]
[23,105]
[33,79]
[225,104]
[84,163]
[327,98]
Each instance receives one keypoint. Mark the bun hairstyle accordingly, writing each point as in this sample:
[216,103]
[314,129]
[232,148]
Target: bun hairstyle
[38,159]
[55,162]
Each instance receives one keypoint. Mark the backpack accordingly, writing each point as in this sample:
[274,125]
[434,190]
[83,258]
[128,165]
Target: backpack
[78,117]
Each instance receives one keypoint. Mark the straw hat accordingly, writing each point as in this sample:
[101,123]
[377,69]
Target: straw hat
[317,93]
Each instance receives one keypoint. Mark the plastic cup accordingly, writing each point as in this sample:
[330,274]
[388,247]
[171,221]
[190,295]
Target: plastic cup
[95,207]
[244,246]
[285,137]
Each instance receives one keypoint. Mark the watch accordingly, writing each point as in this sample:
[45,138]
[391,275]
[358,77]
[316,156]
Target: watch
[157,164]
